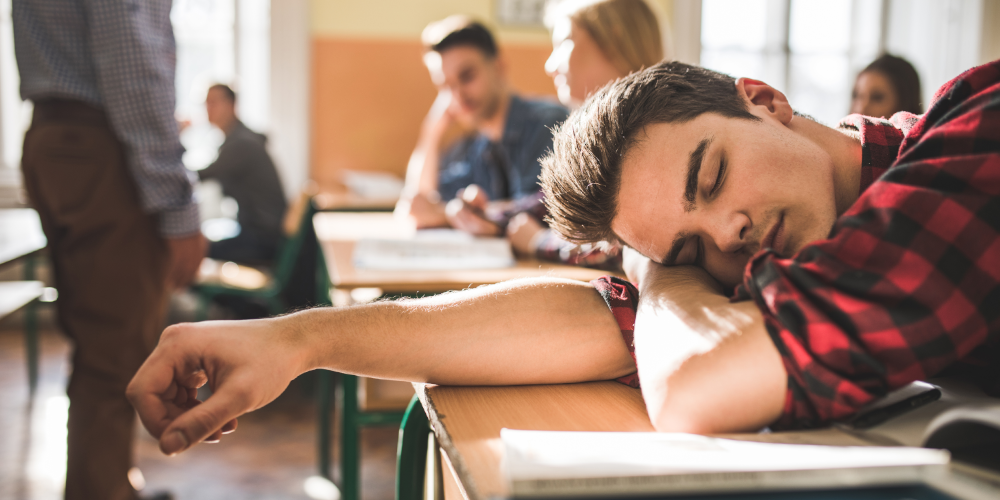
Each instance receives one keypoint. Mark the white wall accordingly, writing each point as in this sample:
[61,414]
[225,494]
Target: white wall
[289,131]
[941,38]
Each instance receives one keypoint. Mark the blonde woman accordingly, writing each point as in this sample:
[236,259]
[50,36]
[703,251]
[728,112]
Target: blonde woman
[594,42]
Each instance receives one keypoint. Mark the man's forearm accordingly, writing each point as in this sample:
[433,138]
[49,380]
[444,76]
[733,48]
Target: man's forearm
[706,365]
[521,332]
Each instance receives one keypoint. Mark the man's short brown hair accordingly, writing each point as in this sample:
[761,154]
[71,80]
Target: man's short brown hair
[226,91]
[458,30]
[581,176]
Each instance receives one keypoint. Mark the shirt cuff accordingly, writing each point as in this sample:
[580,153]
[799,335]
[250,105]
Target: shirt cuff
[622,298]
[179,222]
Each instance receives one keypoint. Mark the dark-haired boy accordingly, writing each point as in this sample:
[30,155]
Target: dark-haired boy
[506,134]
[871,254]
[246,173]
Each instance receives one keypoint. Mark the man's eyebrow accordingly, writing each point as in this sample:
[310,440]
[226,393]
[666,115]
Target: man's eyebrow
[691,186]
[675,248]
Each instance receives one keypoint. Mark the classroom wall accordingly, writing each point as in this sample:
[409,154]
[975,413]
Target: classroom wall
[370,89]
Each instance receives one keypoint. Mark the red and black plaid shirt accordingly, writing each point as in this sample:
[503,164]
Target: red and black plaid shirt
[908,283]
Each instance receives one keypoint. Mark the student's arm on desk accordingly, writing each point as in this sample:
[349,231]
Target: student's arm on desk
[706,365]
[420,199]
[532,331]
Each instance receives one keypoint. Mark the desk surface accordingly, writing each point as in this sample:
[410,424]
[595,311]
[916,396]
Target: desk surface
[20,234]
[467,422]
[17,294]
[337,233]
[346,200]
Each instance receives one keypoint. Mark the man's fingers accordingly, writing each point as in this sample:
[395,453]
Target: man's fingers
[203,420]
[230,426]
[475,196]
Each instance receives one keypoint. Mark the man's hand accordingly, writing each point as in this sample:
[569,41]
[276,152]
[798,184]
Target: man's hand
[186,253]
[467,212]
[426,211]
[247,364]
[522,231]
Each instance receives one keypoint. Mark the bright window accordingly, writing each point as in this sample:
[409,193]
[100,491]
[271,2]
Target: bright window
[225,41]
[809,49]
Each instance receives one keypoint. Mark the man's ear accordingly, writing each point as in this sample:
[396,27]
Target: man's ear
[765,97]
[501,64]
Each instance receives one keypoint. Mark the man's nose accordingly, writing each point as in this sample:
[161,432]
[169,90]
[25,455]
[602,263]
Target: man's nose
[731,231]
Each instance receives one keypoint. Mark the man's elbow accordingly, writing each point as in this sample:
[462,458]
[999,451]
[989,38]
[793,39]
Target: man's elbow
[699,401]
[673,408]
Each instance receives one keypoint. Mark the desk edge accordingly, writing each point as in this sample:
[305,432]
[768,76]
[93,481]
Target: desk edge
[445,442]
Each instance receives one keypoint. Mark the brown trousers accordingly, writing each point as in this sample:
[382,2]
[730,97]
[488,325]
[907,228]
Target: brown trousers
[110,267]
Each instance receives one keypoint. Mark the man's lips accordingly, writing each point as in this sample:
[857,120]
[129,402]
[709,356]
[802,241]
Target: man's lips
[775,238]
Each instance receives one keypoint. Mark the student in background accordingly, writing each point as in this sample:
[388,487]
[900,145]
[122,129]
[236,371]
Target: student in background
[247,174]
[594,42]
[505,134]
[887,86]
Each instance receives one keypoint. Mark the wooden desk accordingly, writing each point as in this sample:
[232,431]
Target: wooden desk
[20,234]
[348,201]
[15,295]
[337,233]
[467,423]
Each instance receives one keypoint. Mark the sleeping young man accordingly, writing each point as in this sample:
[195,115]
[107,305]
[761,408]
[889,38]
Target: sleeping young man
[795,272]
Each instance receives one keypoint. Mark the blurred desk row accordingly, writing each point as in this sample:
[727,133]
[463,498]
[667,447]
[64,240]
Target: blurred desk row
[21,240]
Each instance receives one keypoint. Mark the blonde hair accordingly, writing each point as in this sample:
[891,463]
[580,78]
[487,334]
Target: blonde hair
[627,31]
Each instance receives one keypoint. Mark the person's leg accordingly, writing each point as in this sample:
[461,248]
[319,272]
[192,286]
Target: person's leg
[110,268]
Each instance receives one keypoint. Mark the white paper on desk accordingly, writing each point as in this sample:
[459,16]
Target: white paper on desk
[435,250]
[552,463]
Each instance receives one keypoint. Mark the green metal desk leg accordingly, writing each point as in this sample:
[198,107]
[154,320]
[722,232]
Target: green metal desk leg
[31,328]
[325,382]
[411,453]
[325,424]
[350,454]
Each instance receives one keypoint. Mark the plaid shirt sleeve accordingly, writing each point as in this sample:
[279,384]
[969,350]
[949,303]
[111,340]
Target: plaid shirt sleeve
[622,298]
[908,282]
[133,52]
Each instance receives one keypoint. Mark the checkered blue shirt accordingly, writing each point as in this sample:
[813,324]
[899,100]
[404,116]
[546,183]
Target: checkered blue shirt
[120,56]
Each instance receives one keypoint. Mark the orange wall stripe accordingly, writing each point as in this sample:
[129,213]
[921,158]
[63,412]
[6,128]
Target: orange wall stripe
[369,98]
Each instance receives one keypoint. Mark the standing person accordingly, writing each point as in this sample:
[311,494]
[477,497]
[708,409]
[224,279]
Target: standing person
[590,48]
[102,165]
[885,87]
[507,133]
[247,174]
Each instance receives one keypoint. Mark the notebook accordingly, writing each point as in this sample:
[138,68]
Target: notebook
[552,464]
[433,250]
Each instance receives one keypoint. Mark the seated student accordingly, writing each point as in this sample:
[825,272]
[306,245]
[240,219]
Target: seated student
[247,174]
[509,134]
[590,49]
[885,87]
[862,257]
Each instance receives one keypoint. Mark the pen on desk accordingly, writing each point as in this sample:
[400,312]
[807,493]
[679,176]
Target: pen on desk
[879,415]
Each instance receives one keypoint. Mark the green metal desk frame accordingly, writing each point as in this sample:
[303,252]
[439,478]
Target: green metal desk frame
[352,420]
[31,328]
